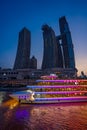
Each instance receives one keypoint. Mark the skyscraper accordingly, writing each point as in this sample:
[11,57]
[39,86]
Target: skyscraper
[50,48]
[60,55]
[23,50]
[67,45]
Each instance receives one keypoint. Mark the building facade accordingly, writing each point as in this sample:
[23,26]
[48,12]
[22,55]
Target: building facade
[23,50]
[50,48]
[60,55]
[67,45]
[33,63]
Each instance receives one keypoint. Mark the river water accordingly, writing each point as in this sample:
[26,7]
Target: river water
[63,116]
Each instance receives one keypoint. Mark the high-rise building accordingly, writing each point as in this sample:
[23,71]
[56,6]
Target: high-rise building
[67,45]
[23,50]
[33,63]
[60,55]
[50,48]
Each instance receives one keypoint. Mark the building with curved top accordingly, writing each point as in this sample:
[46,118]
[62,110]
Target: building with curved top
[50,48]
[67,45]
[23,50]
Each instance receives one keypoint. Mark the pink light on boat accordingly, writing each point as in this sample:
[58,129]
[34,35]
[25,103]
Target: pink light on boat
[49,77]
[61,80]
[84,98]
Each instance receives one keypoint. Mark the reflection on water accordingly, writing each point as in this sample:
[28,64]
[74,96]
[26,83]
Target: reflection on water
[2,96]
[68,116]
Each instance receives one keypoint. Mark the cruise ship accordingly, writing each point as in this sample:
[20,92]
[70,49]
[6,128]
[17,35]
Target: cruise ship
[50,89]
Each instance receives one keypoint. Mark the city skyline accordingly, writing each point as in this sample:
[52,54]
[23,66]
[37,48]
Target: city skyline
[33,14]
[58,48]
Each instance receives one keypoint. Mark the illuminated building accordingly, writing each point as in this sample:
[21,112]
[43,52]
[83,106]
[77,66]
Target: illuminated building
[23,50]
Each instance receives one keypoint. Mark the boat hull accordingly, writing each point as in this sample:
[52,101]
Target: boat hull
[57,100]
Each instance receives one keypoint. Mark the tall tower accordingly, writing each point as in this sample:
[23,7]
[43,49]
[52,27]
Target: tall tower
[60,55]
[50,48]
[23,50]
[68,51]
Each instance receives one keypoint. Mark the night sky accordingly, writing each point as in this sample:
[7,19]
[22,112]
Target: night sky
[16,14]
